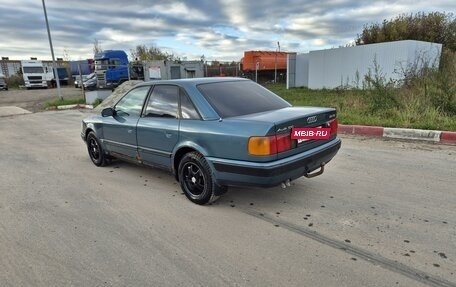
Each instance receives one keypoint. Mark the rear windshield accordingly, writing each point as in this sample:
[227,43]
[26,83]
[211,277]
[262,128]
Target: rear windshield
[237,98]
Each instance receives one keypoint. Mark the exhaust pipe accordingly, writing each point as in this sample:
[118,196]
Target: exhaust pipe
[286,183]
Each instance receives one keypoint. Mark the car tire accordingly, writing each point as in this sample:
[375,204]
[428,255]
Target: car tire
[196,179]
[96,152]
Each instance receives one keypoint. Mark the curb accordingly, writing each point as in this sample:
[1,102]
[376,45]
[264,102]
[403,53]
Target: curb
[69,107]
[399,133]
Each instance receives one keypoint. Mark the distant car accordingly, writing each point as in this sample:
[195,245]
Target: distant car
[77,80]
[211,133]
[91,82]
[92,77]
[3,84]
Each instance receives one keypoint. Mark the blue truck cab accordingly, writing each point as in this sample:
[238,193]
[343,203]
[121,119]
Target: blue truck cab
[111,68]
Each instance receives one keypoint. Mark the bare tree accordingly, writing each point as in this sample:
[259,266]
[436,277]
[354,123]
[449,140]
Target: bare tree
[66,54]
[96,47]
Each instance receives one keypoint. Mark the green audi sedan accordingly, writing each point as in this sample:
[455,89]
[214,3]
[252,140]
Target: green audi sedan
[212,133]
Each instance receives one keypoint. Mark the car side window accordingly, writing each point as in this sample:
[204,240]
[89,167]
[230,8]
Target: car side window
[187,108]
[131,104]
[163,102]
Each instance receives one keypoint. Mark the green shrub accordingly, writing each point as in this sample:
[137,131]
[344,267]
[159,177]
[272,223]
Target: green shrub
[15,81]
[382,93]
[97,102]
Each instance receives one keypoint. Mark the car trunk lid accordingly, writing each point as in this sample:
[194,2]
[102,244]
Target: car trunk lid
[286,119]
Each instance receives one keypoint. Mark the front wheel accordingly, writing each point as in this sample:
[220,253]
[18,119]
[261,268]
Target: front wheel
[96,152]
[196,179]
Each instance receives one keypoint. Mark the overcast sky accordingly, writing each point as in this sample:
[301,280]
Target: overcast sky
[217,29]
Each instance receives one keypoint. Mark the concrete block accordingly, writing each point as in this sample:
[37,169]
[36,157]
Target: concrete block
[91,96]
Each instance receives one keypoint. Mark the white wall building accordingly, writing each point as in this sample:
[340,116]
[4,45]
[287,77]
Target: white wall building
[348,66]
[167,70]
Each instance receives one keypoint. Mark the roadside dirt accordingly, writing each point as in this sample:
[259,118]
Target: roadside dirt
[34,100]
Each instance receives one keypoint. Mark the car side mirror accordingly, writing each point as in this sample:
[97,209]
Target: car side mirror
[108,112]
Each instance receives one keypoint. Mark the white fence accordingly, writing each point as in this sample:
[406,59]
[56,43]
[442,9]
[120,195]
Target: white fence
[348,66]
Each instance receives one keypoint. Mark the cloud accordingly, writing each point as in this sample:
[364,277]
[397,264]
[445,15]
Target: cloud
[219,29]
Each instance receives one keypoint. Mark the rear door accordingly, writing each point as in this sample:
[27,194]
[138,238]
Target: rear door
[158,128]
[119,131]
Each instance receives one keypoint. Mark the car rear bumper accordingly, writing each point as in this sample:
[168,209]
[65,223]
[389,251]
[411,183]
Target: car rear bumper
[242,173]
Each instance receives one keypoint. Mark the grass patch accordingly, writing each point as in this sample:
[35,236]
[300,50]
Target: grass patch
[413,110]
[97,102]
[64,101]
[424,99]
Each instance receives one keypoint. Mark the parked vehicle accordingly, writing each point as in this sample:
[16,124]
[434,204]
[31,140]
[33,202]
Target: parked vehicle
[212,133]
[263,64]
[3,84]
[35,74]
[63,76]
[81,67]
[77,81]
[91,82]
[113,68]
[88,81]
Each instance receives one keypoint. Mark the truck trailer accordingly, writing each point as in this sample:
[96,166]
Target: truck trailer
[264,65]
[80,70]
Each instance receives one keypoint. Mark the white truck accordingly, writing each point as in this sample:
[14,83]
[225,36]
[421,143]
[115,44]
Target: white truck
[35,74]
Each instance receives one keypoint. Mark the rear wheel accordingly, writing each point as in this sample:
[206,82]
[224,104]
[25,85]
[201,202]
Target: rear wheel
[196,179]
[96,152]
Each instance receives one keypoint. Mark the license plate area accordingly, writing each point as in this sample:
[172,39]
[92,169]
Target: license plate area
[303,135]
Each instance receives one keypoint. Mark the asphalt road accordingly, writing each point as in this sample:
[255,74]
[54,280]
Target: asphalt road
[34,100]
[382,214]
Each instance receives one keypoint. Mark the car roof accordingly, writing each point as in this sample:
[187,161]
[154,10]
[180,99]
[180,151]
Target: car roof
[193,81]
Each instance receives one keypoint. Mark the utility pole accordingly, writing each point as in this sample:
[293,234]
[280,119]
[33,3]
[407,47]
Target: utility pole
[56,74]
[276,54]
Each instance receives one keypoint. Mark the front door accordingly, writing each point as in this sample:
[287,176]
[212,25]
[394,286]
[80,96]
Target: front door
[119,131]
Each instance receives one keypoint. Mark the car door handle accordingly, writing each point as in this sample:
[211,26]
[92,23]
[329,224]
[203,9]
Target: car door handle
[168,135]
[130,131]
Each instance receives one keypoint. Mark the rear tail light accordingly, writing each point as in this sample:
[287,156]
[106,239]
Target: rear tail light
[333,124]
[283,142]
[262,145]
[269,145]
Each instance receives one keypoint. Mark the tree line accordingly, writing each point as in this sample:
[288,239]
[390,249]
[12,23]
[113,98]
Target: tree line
[430,27]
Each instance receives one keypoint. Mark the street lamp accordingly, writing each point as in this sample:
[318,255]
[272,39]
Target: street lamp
[56,74]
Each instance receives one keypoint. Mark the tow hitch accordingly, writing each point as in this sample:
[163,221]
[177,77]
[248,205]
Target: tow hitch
[322,169]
